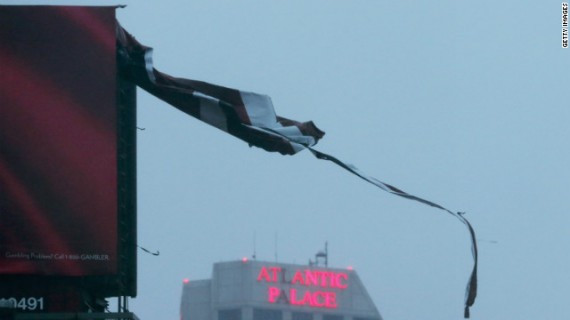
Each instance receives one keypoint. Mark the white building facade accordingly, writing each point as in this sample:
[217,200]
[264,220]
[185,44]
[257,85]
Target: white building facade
[258,290]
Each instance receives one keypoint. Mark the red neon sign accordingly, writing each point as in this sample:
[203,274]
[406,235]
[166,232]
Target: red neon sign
[307,278]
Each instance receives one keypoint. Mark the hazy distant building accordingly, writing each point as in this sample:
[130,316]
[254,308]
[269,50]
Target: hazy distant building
[258,290]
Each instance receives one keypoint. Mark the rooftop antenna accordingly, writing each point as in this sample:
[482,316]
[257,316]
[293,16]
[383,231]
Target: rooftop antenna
[254,256]
[276,260]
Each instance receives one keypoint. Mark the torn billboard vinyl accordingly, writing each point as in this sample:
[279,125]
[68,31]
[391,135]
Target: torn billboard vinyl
[252,118]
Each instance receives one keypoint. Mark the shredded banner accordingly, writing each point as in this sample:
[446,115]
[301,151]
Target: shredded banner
[250,117]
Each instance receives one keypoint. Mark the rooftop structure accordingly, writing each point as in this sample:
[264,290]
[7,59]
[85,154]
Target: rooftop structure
[259,290]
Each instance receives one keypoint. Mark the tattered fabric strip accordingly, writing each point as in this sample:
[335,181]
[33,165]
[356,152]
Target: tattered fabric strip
[250,117]
[471,290]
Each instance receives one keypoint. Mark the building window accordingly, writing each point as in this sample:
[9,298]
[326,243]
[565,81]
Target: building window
[267,314]
[332,317]
[301,316]
[229,314]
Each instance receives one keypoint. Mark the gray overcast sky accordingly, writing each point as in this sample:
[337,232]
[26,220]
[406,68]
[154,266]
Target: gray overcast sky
[464,103]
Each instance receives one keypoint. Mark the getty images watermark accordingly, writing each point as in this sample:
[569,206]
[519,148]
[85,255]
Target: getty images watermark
[564,24]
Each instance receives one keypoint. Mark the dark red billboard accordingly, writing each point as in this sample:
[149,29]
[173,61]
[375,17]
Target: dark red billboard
[59,194]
